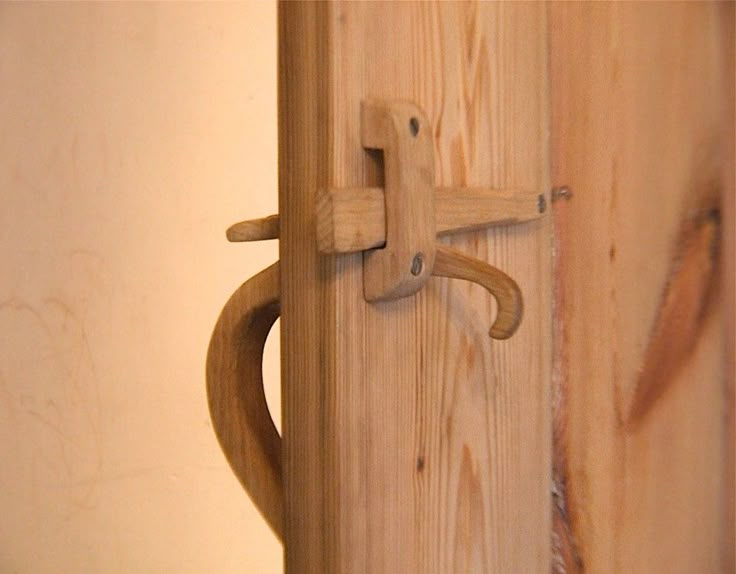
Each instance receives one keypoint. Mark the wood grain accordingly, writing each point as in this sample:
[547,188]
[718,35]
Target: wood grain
[307,319]
[639,109]
[413,443]
[685,307]
[354,219]
[235,394]
[727,17]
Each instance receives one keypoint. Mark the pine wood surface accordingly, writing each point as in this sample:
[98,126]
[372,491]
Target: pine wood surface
[412,441]
[643,402]
[728,278]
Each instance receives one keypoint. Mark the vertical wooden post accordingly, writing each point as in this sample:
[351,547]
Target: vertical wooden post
[411,441]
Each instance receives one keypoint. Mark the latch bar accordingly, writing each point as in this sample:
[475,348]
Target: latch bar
[354,219]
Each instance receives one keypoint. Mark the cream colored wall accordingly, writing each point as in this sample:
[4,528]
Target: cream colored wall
[132,135]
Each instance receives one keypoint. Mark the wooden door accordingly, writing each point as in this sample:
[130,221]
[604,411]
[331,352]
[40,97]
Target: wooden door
[643,128]
[412,441]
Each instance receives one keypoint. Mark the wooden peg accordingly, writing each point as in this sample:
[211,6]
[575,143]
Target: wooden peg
[254,229]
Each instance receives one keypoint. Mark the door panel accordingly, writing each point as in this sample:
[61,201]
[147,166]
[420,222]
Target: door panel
[643,427]
[413,442]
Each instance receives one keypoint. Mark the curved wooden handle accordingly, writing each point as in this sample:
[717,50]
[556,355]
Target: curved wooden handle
[236,397]
[452,263]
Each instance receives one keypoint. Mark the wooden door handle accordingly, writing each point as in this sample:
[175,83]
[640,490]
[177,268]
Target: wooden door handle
[452,263]
[237,401]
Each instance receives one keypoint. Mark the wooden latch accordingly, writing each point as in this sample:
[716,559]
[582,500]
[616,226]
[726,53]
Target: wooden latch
[396,226]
